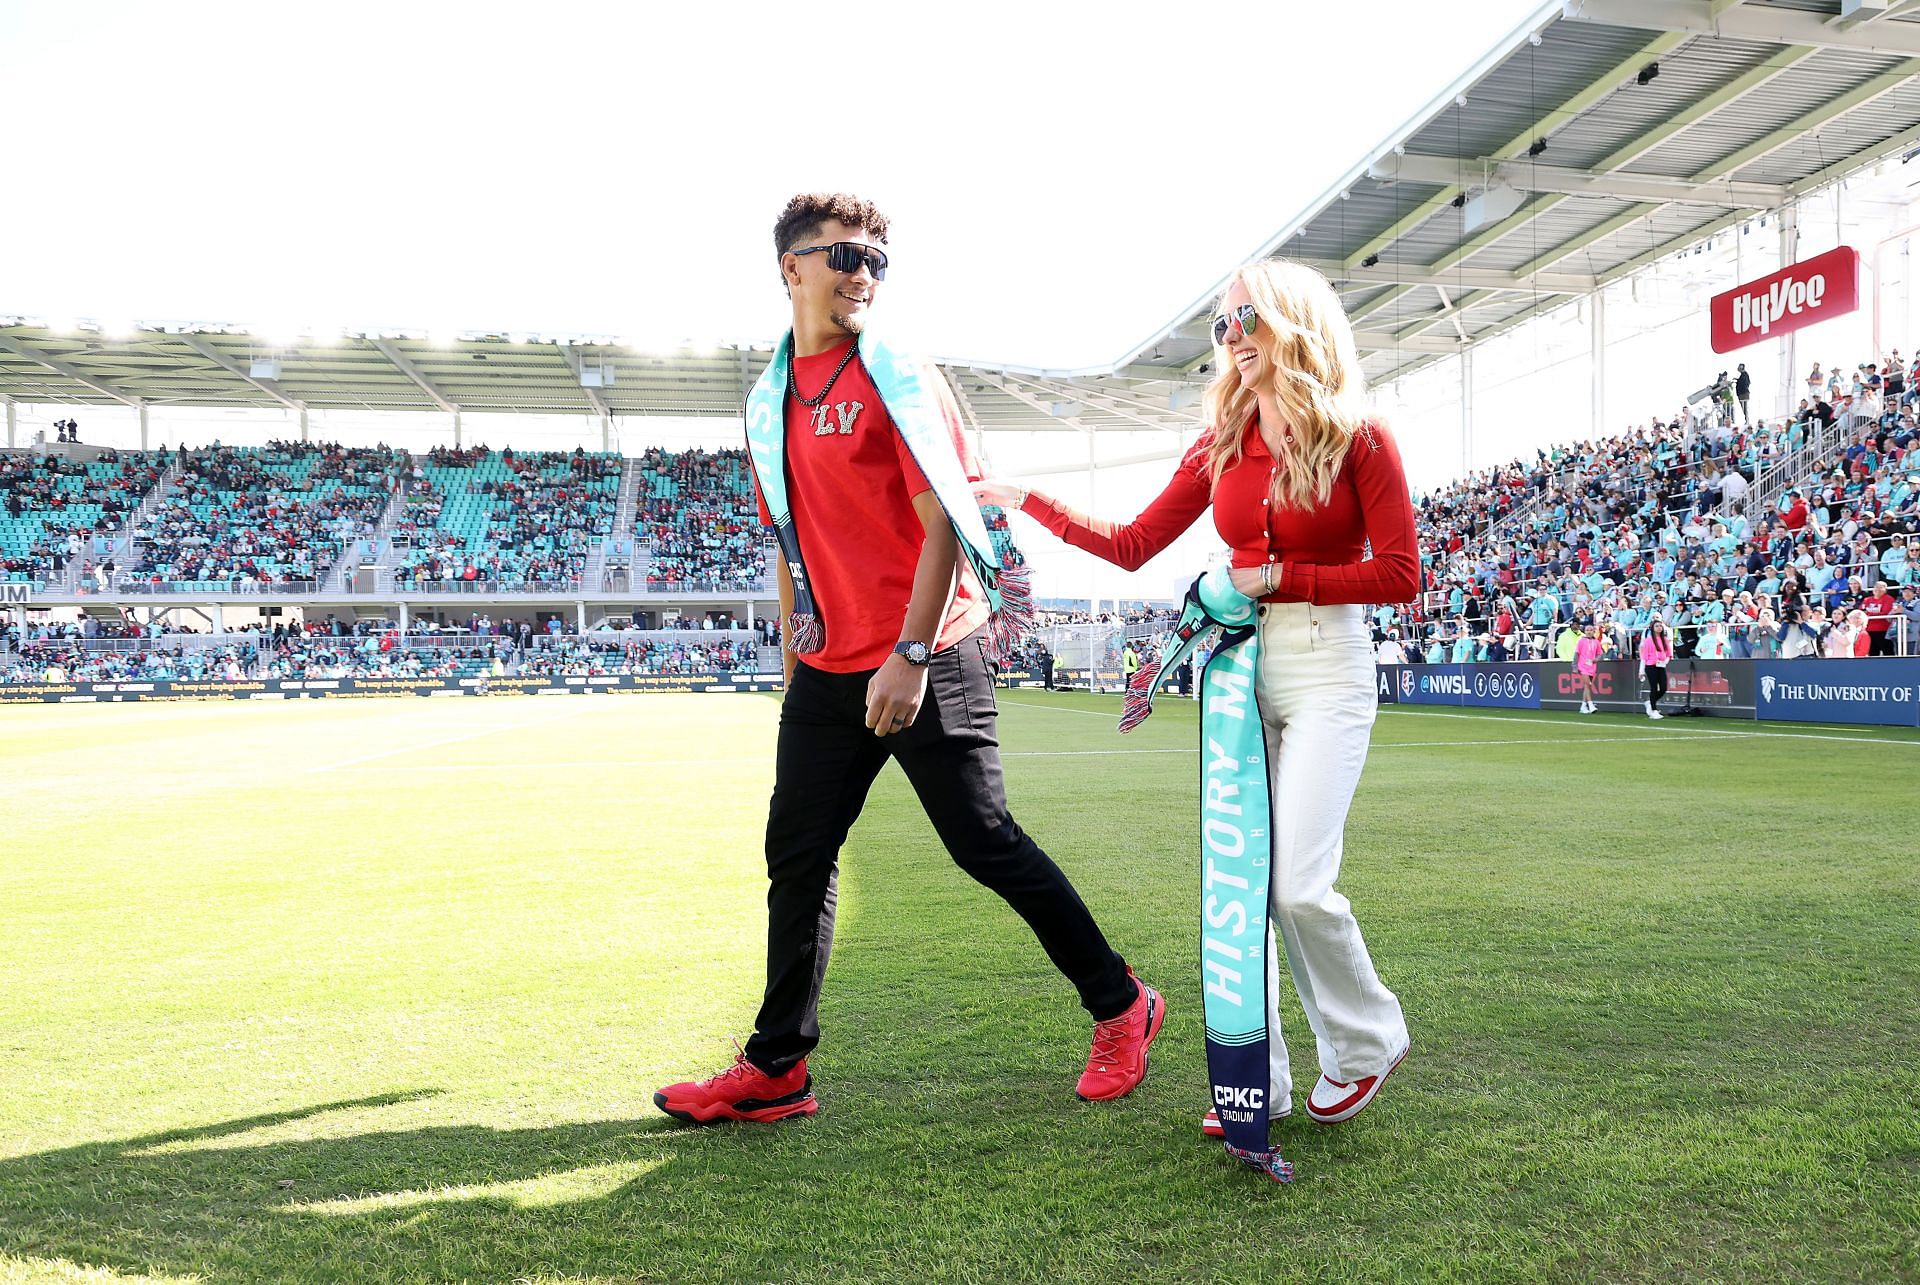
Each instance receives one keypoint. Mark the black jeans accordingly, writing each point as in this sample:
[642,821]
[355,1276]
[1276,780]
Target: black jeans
[826,762]
[1656,684]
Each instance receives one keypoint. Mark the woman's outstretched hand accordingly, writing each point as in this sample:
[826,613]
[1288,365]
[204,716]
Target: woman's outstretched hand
[991,490]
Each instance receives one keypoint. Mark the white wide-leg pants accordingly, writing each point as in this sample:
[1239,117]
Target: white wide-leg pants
[1317,702]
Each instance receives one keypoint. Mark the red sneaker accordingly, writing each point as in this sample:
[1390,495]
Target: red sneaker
[1210,1122]
[741,1092]
[1332,1101]
[1118,1061]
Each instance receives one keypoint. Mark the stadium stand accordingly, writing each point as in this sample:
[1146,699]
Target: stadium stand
[375,653]
[278,514]
[505,519]
[1747,541]
[53,502]
[695,521]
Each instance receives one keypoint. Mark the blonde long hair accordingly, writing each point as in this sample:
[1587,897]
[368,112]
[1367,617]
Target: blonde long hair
[1314,365]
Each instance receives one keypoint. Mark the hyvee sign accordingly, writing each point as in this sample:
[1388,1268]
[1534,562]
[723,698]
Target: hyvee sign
[1813,290]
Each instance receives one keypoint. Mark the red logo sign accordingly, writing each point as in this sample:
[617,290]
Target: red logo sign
[1813,290]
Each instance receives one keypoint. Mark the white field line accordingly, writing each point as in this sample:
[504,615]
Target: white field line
[737,759]
[1693,732]
[1703,732]
[492,729]
[1056,709]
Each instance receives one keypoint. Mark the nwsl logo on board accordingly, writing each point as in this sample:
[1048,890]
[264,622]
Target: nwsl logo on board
[1816,289]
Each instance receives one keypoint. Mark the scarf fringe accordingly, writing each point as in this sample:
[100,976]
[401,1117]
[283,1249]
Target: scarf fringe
[1270,1163]
[805,635]
[1138,702]
[1015,617]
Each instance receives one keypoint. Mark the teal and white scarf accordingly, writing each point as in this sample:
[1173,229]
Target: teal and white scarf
[1236,827]
[916,411]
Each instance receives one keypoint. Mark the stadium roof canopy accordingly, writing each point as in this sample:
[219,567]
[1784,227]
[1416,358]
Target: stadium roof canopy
[1598,137]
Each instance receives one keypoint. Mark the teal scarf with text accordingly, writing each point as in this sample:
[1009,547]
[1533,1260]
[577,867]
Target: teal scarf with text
[1236,827]
[918,411]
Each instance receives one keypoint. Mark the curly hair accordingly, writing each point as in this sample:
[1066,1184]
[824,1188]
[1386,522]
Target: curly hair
[805,213]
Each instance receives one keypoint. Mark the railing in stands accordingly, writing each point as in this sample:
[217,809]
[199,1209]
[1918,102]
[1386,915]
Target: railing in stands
[1744,640]
[131,584]
[1795,469]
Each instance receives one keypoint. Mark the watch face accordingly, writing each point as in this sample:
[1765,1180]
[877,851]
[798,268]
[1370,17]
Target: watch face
[916,653]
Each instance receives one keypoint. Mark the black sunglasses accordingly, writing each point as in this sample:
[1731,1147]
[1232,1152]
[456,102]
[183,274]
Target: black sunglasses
[847,256]
[1244,316]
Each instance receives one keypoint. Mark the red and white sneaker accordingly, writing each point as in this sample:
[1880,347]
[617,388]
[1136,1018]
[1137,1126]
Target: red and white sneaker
[741,1092]
[1118,1060]
[1331,1101]
[1210,1122]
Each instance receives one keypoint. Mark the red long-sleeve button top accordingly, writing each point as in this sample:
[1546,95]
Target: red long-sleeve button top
[1319,551]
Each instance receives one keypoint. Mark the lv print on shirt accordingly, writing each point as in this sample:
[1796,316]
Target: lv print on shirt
[844,415]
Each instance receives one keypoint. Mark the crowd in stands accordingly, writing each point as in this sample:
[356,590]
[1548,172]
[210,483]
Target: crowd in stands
[372,653]
[53,502]
[1657,522]
[474,645]
[592,656]
[468,515]
[1663,520]
[263,515]
[511,520]
[696,518]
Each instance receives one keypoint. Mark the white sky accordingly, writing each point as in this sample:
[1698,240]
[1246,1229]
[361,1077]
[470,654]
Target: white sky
[1063,178]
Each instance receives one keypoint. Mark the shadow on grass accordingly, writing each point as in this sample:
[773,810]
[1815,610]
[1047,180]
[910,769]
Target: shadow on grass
[430,1202]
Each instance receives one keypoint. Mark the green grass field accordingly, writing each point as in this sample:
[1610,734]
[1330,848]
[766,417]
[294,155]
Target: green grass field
[381,991]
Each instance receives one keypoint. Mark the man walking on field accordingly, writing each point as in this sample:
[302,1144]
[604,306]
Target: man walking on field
[893,603]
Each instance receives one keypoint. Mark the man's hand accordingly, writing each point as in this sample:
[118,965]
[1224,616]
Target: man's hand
[894,696]
[991,490]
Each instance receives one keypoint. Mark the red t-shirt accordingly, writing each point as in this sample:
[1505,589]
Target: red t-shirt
[850,485]
[1318,550]
[1879,609]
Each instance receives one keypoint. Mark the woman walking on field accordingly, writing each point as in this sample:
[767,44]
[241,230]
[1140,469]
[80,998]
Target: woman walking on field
[1301,480]
[1586,665]
[1656,650]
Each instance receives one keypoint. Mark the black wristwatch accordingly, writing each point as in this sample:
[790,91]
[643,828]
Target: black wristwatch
[917,653]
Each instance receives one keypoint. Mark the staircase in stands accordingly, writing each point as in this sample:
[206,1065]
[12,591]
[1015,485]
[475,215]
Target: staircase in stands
[593,576]
[382,532]
[73,577]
